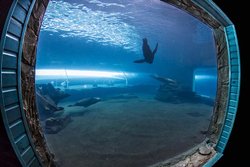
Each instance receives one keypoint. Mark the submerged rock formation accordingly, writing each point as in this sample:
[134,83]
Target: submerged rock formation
[124,96]
[86,102]
[47,98]
[54,125]
[171,91]
[48,90]
[51,115]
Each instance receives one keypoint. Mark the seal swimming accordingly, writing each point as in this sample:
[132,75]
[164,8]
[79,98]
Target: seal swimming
[147,53]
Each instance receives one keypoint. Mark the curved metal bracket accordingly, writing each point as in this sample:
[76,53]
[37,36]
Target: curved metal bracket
[10,92]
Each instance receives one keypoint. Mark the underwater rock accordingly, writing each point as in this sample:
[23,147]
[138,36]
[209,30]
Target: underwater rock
[48,90]
[46,105]
[165,80]
[47,98]
[124,96]
[204,132]
[175,95]
[86,102]
[54,125]
[205,150]
[170,91]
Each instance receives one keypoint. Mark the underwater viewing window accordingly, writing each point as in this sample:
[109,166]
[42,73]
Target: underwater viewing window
[114,82]
[118,83]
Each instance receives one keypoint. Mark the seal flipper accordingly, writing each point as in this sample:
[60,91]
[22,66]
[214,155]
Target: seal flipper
[140,61]
[155,50]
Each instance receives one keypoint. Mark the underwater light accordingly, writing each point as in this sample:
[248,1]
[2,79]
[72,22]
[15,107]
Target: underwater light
[200,77]
[60,73]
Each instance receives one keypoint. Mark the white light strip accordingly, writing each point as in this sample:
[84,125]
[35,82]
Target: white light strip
[200,77]
[9,54]
[12,37]
[44,73]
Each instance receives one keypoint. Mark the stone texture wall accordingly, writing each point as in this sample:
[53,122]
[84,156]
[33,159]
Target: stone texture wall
[28,81]
[195,157]
[222,87]
[195,10]
[194,160]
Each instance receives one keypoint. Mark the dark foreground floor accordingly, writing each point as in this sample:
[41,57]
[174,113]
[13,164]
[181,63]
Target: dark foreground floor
[129,133]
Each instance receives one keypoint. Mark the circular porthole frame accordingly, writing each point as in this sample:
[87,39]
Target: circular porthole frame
[17,90]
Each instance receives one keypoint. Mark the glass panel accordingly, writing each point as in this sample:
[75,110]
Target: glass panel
[202,78]
[115,82]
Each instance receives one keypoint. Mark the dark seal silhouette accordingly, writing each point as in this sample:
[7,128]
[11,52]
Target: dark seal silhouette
[147,53]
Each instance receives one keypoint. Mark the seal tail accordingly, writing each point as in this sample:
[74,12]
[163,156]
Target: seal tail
[155,50]
[140,61]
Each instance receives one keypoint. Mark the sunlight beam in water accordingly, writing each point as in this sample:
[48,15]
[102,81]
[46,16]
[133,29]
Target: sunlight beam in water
[81,21]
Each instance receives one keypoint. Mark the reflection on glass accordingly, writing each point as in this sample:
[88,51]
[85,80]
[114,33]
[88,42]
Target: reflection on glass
[123,83]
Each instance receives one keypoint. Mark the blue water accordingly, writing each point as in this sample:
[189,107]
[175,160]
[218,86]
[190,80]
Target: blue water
[108,36]
[205,80]
[87,48]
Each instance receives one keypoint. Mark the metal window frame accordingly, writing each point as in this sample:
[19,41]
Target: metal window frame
[14,119]
[10,86]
